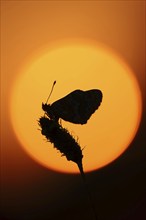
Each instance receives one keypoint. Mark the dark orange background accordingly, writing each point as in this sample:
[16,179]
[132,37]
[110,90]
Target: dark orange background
[29,191]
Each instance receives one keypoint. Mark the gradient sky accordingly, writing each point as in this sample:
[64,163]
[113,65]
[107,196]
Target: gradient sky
[29,191]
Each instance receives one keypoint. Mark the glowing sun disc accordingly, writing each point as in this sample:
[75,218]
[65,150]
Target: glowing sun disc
[77,66]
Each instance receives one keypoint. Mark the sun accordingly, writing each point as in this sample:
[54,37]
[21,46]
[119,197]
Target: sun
[77,65]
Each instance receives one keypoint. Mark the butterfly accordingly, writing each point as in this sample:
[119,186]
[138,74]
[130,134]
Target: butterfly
[76,107]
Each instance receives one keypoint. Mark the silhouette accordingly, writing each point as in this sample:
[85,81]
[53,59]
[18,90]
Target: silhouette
[62,140]
[67,145]
[76,107]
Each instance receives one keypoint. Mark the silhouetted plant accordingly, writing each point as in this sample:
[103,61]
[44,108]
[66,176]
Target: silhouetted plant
[62,140]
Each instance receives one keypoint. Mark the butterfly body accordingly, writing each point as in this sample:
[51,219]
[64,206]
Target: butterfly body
[76,107]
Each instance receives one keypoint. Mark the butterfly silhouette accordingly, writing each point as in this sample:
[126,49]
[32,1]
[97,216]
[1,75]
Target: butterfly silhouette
[76,107]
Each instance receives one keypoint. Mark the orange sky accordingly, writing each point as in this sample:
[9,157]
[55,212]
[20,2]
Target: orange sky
[29,26]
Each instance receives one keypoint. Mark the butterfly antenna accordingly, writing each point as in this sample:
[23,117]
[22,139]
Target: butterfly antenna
[51,91]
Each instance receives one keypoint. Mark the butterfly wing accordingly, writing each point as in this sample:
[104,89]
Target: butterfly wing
[68,107]
[78,106]
[92,101]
